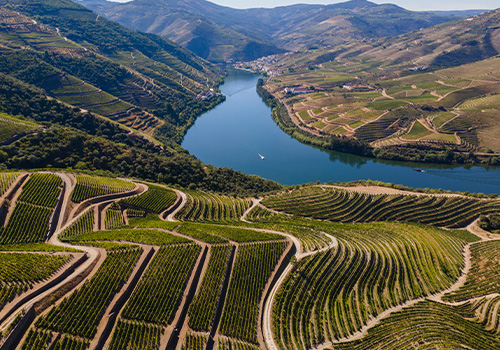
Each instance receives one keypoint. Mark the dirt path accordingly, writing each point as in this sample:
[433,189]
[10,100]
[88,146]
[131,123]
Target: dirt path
[435,297]
[387,190]
[185,326]
[255,202]
[139,189]
[478,231]
[455,117]
[40,287]
[173,331]
[94,255]
[171,216]
[267,318]
[13,189]
[15,193]
[264,328]
[384,93]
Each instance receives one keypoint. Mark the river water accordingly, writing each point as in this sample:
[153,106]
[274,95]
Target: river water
[235,133]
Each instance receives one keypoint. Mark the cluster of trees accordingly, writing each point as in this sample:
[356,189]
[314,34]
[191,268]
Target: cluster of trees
[490,223]
[429,154]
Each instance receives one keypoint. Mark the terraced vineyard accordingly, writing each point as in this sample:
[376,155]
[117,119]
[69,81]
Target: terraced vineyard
[204,206]
[378,129]
[131,335]
[20,272]
[483,279]
[350,206]
[9,129]
[144,236]
[436,325]
[158,293]
[31,215]
[227,344]
[71,343]
[253,266]
[202,309]
[155,200]
[259,213]
[194,342]
[113,217]
[79,314]
[219,234]
[191,283]
[92,186]
[6,180]
[309,236]
[374,267]
[84,224]
[37,340]
[42,190]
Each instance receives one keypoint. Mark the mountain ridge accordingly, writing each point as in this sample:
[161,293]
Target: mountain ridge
[286,27]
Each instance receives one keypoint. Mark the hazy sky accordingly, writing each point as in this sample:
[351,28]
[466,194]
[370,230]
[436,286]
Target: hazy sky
[419,5]
[408,4]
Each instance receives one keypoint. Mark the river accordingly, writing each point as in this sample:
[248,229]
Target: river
[235,133]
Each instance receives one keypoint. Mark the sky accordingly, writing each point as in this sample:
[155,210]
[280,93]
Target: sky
[420,5]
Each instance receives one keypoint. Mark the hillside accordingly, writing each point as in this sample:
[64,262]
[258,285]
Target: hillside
[142,81]
[198,24]
[154,267]
[446,45]
[182,23]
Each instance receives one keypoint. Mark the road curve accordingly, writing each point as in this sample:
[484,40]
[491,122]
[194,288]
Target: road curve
[171,216]
[268,306]
[255,202]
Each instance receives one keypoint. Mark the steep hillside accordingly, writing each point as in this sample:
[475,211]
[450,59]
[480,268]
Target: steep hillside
[193,269]
[143,81]
[445,45]
[197,24]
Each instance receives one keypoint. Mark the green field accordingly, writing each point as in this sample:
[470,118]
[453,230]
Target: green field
[417,131]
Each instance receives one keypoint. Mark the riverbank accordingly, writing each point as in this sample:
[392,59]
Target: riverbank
[418,153]
[234,133]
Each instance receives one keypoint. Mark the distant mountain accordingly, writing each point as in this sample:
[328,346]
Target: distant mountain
[217,32]
[184,23]
[459,13]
